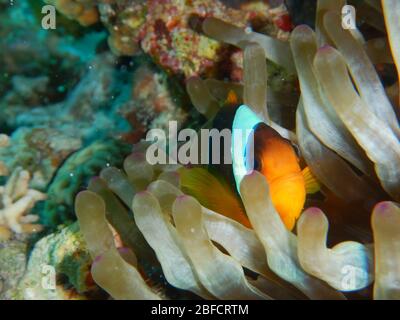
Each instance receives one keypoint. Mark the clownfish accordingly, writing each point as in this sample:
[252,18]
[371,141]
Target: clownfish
[274,157]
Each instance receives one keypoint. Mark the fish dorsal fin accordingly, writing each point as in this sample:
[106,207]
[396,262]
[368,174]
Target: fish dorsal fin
[232,98]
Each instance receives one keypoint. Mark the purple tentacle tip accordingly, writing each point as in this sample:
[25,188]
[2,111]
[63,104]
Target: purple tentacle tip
[382,208]
[313,211]
[97,259]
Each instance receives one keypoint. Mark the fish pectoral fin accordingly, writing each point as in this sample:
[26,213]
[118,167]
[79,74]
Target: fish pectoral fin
[212,193]
[311,183]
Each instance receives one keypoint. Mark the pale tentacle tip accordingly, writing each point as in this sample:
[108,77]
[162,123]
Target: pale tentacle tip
[313,212]
[181,198]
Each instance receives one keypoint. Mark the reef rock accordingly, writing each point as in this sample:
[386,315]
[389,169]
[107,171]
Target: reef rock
[170,31]
[39,151]
[58,268]
[13,258]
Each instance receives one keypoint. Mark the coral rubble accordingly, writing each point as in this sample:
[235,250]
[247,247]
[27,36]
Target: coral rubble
[64,260]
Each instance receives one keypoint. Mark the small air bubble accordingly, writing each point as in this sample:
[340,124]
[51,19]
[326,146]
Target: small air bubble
[248,30]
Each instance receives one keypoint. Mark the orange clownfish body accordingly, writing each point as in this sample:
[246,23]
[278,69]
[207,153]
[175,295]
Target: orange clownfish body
[276,159]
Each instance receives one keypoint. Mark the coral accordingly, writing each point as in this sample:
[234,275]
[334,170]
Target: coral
[83,11]
[154,100]
[40,90]
[13,260]
[4,141]
[65,253]
[166,30]
[50,117]
[32,59]
[73,174]
[16,200]
[86,99]
[102,104]
[40,151]
[26,90]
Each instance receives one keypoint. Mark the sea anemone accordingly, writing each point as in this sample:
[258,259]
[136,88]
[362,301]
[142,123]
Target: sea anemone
[358,123]
[347,131]
[203,251]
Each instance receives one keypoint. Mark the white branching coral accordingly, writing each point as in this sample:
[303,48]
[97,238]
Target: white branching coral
[4,140]
[16,200]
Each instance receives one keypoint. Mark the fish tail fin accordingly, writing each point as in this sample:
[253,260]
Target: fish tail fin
[311,183]
[212,193]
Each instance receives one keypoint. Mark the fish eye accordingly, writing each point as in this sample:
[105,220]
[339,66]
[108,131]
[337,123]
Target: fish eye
[256,162]
[257,165]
